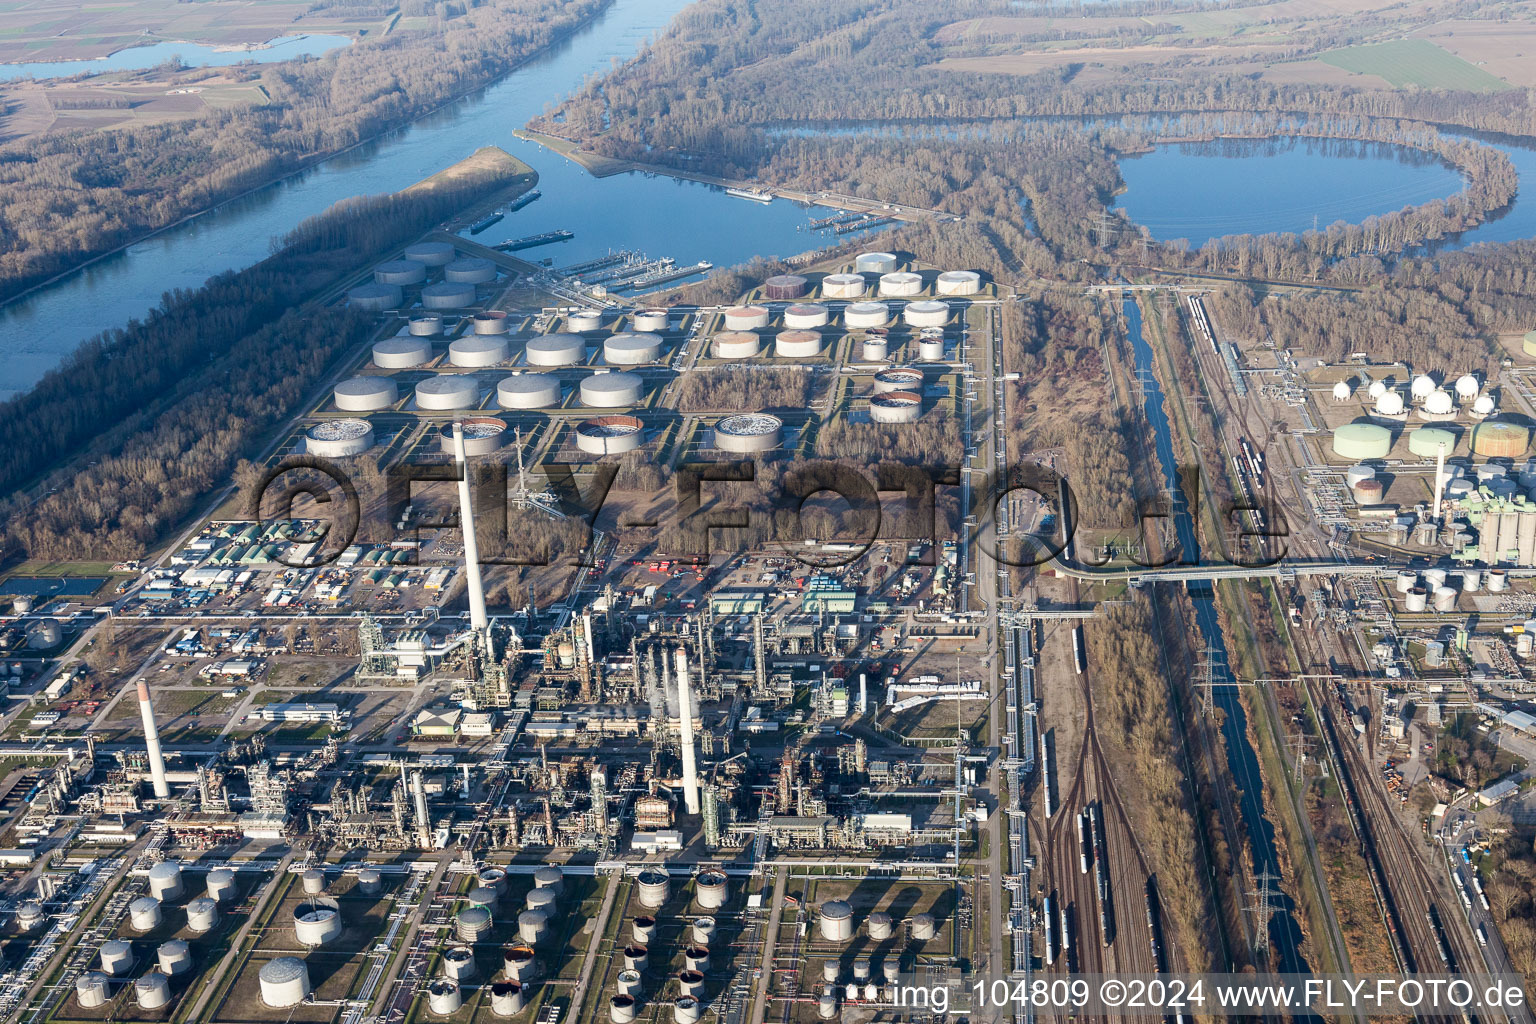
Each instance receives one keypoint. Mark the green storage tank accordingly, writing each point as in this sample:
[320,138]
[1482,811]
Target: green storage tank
[1357,441]
[1530,343]
[1426,442]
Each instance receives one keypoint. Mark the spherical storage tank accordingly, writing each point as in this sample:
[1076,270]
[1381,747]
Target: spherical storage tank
[433,254]
[609,435]
[144,914]
[843,286]
[896,407]
[1438,403]
[631,349]
[1355,441]
[898,378]
[1376,389]
[711,890]
[492,321]
[866,314]
[152,991]
[116,957]
[339,439]
[470,270]
[1421,388]
[958,282]
[174,957]
[612,390]
[785,286]
[1342,391]
[317,921]
[165,880]
[91,989]
[448,391]
[366,394]
[482,436]
[747,433]
[556,350]
[1483,406]
[528,391]
[284,982]
[448,295]
[874,263]
[926,313]
[1499,439]
[1426,442]
[375,297]
[1467,386]
[735,345]
[805,315]
[652,320]
[746,318]
[836,921]
[478,350]
[399,353]
[901,284]
[400,272]
[202,914]
[1390,404]
[797,344]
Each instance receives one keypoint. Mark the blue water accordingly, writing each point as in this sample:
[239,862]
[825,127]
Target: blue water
[193,55]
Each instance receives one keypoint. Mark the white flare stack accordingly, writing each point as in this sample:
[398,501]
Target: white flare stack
[477,617]
[1434,512]
[152,743]
[685,725]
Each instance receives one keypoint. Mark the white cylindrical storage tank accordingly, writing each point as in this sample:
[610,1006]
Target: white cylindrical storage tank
[482,436]
[478,350]
[896,407]
[433,254]
[691,983]
[711,889]
[843,286]
[317,921]
[735,345]
[339,439]
[703,930]
[165,880]
[826,1006]
[483,896]
[926,313]
[1416,600]
[874,262]
[900,284]
[836,921]
[643,928]
[366,394]
[459,963]
[890,970]
[152,991]
[1434,578]
[880,925]
[399,353]
[313,881]
[541,899]
[862,970]
[746,318]
[612,390]
[470,270]
[628,983]
[797,344]
[631,349]
[144,912]
[174,957]
[448,295]
[785,286]
[874,349]
[375,297]
[400,272]
[369,882]
[584,320]
[806,315]
[696,958]
[1472,580]
[651,320]
[1497,581]
[202,914]
[528,391]
[686,1010]
[748,433]
[958,282]
[1445,599]
[1355,474]
[924,927]
[898,378]
[829,971]
[471,923]
[636,957]
[425,325]
[930,349]
[1407,579]
[493,878]
[621,1008]
[866,314]
[507,998]
[556,350]
[655,888]
[116,957]
[518,963]
[91,989]
[532,926]
[284,982]
[444,997]
[550,877]
[492,321]
[447,392]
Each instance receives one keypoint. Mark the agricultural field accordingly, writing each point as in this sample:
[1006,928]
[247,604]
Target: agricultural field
[1414,62]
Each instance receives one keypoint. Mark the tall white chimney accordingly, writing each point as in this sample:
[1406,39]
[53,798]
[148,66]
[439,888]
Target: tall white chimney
[863,694]
[423,821]
[152,743]
[685,726]
[586,629]
[1434,512]
[477,617]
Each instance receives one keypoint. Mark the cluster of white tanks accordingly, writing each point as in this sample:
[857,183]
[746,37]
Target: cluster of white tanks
[835,924]
[653,888]
[1432,401]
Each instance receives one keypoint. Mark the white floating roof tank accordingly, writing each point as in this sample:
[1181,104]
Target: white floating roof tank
[144,914]
[652,320]
[690,982]
[366,394]
[631,349]
[746,318]
[174,957]
[703,930]
[655,888]
[874,348]
[399,353]
[1376,389]
[866,314]
[931,349]
[448,295]
[628,983]
[1421,387]
[433,254]
[711,889]
[339,439]
[1439,403]
[470,270]
[636,957]
[926,313]
[116,957]
[444,997]
[317,921]
[528,391]
[612,390]
[492,321]
[425,325]
[400,272]
[459,963]
[448,391]
[805,315]
[375,297]
[284,982]
[901,284]
[202,914]
[843,286]
[152,991]
[686,1010]
[312,881]
[958,282]
[621,1007]
[584,320]
[898,378]
[874,263]
[748,433]
[609,435]
[896,407]
[736,345]
[1342,391]
[507,998]
[165,880]
[478,350]
[1390,404]
[518,963]
[797,344]
[836,921]
[91,989]
[556,350]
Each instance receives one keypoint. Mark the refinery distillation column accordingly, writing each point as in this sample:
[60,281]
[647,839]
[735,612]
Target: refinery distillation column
[152,743]
[477,618]
[685,727]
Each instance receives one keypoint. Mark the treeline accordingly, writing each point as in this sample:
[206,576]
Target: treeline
[934,440]
[1511,890]
[68,196]
[744,389]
